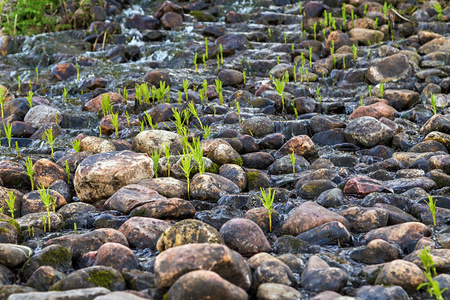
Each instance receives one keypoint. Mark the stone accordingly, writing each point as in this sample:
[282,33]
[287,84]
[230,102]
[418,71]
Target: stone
[284,165]
[156,77]
[154,140]
[331,233]
[141,23]
[258,126]
[401,99]
[32,203]
[401,185]
[313,188]
[95,104]
[44,277]
[402,273]
[244,236]
[436,123]
[231,77]
[273,271]
[46,172]
[171,20]
[116,256]
[130,197]
[173,208]
[35,220]
[89,293]
[211,187]
[308,216]
[99,176]
[14,256]
[167,186]
[368,132]
[437,44]
[405,235]
[363,185]
[321,123]
[376,252]
[319,276]
[42,114]
[440,257]
[170,265]
[339,38]
[234,173]
[224,153]
[381,293]
[95,145]
[331,198]
[389,69]
[64,71]
[96,276]
[55,256]
[188,232]
[143,232]
[203,284]
[365,219]
[80,244]
[276,291]
[300,145]
[363,36]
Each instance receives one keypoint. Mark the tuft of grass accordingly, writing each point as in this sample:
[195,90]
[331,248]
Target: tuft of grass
[49,136]
[279,88]
[10,203]
[30,172]
[432,205]
[65,93]
[17,150]
[381,90]
[106,104]
[155,155]
[430,272]
[219,90]
[433,103]
[67,169]
[2,100]
[76,145]
[46,198]
[115,123]
[167,155]
[206,132]
[186,167]
[194,113]
[197,151]
[30,98]
[8,131]
[292,156]
[267,202]
[195,62]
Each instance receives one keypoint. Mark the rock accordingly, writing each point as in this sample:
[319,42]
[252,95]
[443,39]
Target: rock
[273,271]
[54,256]
[211,187]
[365,36]
[401,185]
[116,256]
[257,160]
[368,132]
[363,185]
[319,276]
[92,144]
[80,244]
[230,77]
[365,219]
[154,140]
[330,233]
[244,236]
[257,126]
[339,38]
[205,285]
[308,216]
[170,265]
[257,179]
[437,44]
[276,291]
[99,176]
[173,208]
[401,99]
[300,145]
[436,123]
[313,188]
[188,232]
[171,20]
[95,104]
[35,220]
[4,195]
[32,203]
[143,232]
[156,77]
[40,115]
[46,172]
[141,23]
[167,186]
[444,282]
[223,153]
[321,123]
[389,69]
[64,71]
[13,256]
[331,198]
[402,273]
[44,277]
[130,197]
[381,293]
[376,252]
[405,235]
[441,162]
[284,165]
[89,293]
[440,257]
[97,276]
[234,173]
[9,290]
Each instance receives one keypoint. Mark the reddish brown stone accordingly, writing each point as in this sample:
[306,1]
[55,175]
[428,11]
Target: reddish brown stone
[95,104]
[47,172]
[300,145]
[363,185]
[116,256]
[64,71]
[143,232]
[32,203]
[171,20]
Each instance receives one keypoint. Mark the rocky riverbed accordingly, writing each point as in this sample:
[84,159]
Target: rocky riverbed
[139,144]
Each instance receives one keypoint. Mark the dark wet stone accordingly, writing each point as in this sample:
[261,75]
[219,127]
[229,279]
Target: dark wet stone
[319,276]
[365,219]
[231,77]
[257,126]
[436,123]
[217,186]
[16,109]
[166,7]
[64,71]
[368,132]
[249,144]
[272,141]
[402,273]
[403,184]
[314,9]
[55,256]
[73,160]
[382,293]
[259,216]
[314,188]
[32,203]
[141,22]
[79,213]
[284,165]
[396,215]
[8,291]
[329,137]
[300,145]
[257,179]
[173,208]
[362,185]
[143,232]
[234,173]
[214,30]
[47,172]
[321,123]
[171,20]
[376,252]
[14,256]
[257,160]
[44,277]
[331,233]
[331,198]
[237,201]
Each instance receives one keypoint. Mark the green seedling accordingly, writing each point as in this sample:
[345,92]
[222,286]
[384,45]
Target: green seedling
[439,10]
[149,119]
[343,62]
[178,120]
[185,137]
[197,152]
[186,167]
[127,116]
[106,104]
[115,123]
[221,53]
[344,15]
[310,56]
[432,206]
[279,88]
[155,155]
[195,62]
[2,101]
[167,155]
[355,52]
[67,169]
[381,90]
[218,87]
[8,131]
[299,7]
[315,30]
[369,88]
[17,150]
[332,47]
[206,132]
[318,97]
[206,48]
[142,128]
[267,202]
[46,198]
[153,93]
[76,145]
[218,61]
[75,228]
[365,10]
[204,60]
[292,156]
[49,136]
[10,203]
[286,77]
[78,72]
[30,171]
[285,37]
[193,110]
[37,74]
[294,70]
[56,118]
[295,110]
[145,93]
[238,109]
[30,98]
[137,94]
[205,88]
[65,93]
[244,74]
[185,87]
[18,83]
[269,32]
[432,285]
[433,103]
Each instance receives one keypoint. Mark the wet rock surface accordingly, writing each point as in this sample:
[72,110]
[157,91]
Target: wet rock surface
[143,143]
